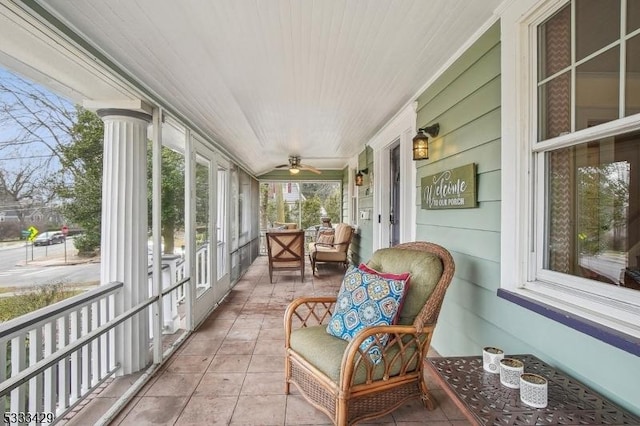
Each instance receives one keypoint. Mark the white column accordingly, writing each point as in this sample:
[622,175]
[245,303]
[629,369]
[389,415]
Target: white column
[124,229]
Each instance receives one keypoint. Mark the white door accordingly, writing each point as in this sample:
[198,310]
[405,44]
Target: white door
[203,231]
[223,225]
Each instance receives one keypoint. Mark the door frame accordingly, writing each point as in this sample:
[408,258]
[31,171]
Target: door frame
[205,302]
[401,128]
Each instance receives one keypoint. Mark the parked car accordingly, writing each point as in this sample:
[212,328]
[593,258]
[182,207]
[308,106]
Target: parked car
[48,238]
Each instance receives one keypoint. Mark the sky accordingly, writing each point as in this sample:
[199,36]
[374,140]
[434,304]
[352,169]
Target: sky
[20,150]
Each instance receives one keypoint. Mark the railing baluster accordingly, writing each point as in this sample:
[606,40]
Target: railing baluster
[76,371]
[95,345]
[86,351]
[112,334]
[18,363]
[50,376]
[104,344]
[35,384]
[63,389]
[3,371]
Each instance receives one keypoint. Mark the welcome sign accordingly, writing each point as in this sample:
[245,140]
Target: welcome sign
[451,189]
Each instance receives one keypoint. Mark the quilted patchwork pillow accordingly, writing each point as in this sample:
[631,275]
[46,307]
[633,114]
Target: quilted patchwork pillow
[365,299]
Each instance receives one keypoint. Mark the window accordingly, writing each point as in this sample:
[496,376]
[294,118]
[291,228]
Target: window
[580,201]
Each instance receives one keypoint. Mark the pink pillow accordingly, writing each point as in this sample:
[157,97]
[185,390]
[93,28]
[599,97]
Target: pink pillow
[405,276]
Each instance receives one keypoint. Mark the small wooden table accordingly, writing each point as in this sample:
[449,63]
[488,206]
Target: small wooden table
[484,401]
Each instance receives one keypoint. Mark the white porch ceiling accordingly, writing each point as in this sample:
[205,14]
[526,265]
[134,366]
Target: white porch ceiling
[267,79]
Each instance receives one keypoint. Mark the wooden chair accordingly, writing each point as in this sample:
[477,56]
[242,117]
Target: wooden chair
[337,376]
[336,251]
[286,251]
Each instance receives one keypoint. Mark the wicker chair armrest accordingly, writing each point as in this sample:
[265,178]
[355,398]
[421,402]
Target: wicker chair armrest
[307,311]
[405,345]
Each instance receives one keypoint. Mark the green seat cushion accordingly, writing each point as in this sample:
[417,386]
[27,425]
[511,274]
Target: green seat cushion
[425,269]
[325,352]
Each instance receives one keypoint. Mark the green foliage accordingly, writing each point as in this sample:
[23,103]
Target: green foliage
[172,193]
[603,194]
[33,299]
[311,212]
[333,207]
[82,159]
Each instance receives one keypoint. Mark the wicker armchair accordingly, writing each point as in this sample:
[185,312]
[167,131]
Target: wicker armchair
[337,376]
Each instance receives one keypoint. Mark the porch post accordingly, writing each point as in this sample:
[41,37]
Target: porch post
[124,230]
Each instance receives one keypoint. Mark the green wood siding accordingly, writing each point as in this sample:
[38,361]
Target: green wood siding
[465,100]
[361,247]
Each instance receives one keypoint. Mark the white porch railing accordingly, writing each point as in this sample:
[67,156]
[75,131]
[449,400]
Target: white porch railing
[52,358]
[56,355]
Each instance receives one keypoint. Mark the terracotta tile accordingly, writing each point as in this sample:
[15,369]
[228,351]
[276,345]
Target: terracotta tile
[228,314]
[237,347]
[270,322]
[269,347]
[123,413]
[300,412]
[415,411]
[250,322]
[207,347]
[230,363]
[449,408]
[242,334]
[460,423]
[208,410]
[263,384]
[263,410]
[225,384]
[266,364]
[155,411]
[430,380]
[120,385]
[189,364]
[272,333]
[174,384]
[384,420]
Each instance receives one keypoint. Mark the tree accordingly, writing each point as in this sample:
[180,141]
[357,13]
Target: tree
[172,194]
[311,212]
[81,184]
[333,207]
[34,125]
[22,188]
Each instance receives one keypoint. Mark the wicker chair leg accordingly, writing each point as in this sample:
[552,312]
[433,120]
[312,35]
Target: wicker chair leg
[287,369]
[341,412]
[427,399]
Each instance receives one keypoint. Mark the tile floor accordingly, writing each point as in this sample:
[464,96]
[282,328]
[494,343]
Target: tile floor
[230,371]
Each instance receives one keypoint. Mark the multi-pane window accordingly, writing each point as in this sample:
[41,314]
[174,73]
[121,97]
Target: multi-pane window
[587,149]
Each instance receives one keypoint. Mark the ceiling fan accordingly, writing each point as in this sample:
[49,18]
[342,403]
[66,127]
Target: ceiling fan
[295,166]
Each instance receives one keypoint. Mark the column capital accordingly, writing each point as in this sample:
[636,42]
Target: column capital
[109,112]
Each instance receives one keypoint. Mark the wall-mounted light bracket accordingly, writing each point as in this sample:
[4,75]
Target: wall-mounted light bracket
[360,177]
[421,141]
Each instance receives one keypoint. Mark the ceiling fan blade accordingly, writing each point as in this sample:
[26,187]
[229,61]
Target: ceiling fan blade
[282,166]
[310,168]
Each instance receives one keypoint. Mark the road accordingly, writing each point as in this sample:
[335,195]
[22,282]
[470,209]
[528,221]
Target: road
[26,267]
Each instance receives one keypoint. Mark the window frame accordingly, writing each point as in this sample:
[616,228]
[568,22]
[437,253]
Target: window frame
[524,182]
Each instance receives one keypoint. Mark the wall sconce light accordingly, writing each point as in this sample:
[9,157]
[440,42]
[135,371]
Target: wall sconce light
[360,177]
[420,141]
